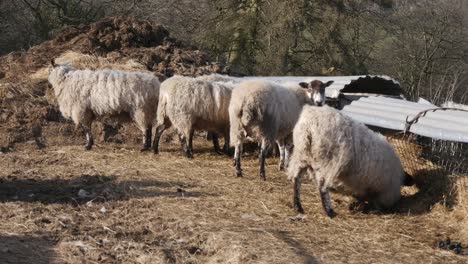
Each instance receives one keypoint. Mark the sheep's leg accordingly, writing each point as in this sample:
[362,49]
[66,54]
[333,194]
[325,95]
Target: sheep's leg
[146,139]
[276,151]
[209,135]
[89,138]
[185,146]
[157,136]
[185,140]
[262,157]
[237,159]
[325,197]
[280,144]
[215,139]
[190,144]
[182,141]
[226,143]
[86,124]
[297,187]
[287,152]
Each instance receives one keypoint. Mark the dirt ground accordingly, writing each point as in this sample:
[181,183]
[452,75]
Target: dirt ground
[114,204]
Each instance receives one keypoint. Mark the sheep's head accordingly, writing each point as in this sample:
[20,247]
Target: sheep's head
[51,66]
[57,72]
[316,91]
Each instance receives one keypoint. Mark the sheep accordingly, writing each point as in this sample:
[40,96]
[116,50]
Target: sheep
[190,104]
[222,79]
[84,95]
[336,150]
[268,112]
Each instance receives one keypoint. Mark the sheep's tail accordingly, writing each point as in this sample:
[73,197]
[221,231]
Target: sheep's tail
[161,113]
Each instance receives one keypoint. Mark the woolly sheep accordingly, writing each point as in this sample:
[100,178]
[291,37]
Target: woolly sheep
[190,104]
[222,79]
[84,95]
[268,112]
[334,150]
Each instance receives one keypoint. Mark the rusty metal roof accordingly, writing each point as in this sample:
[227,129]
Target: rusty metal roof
[451,125]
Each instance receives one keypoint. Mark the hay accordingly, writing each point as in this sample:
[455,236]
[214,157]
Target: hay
[85,61]
[176,210]
[440,170]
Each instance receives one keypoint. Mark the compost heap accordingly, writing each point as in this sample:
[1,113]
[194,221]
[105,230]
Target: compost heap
[27,105]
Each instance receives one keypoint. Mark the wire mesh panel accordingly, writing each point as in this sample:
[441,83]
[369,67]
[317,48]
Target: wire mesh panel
[420,154]
[439,167]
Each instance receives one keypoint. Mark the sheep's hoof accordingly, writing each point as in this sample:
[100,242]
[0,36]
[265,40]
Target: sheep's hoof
[155,151]
[189,155]
[299,209]
[239,173]
[88,147]
[143,149]
[281,167]
[331,213]
[263,176]
[227,151]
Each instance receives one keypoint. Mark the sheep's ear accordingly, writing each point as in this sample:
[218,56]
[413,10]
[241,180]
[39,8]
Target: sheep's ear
[52,62]
[304,85]
[329,83]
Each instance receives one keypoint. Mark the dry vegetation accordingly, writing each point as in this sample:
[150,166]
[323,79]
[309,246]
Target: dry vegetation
[114,204]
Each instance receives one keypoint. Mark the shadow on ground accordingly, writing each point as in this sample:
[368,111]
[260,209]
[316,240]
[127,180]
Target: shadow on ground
[298,248]
[85,188]
[20,249]
[434,186]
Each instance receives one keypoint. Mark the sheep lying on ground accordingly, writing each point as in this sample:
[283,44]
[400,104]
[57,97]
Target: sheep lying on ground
[189,104]
[268,113]
[84,95]
[334,149]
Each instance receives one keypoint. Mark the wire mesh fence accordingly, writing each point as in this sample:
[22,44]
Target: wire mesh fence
[440,168]
[421,154]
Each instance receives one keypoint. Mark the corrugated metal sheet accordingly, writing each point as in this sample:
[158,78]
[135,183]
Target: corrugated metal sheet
[424,101]
[455,105]
[392,113]
[332,91]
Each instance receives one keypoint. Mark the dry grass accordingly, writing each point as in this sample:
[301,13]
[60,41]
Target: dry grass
[168,209]
[85,61]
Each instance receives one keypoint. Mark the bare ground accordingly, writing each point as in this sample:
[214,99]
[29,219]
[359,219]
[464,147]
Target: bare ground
[116,205]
